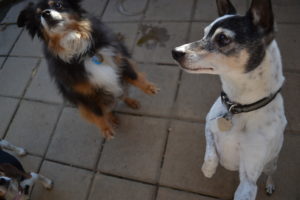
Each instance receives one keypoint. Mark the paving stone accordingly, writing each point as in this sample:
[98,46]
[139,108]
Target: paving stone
[110,188]
[169,34]
[165,77]
[7,106]
[197,31]
[30,163]
[197,93]
[1,61]
[26,46]
[137,150]
[113,14]
[286,11]
[42,87]
[183,161]
[94,7]
[8,36]
[170,194]
[207,9]
[32,126]
[69,183]
[291,95]
[76,141]
[287,175]
[289,44]
[168,10]
[15,75]
[128,30]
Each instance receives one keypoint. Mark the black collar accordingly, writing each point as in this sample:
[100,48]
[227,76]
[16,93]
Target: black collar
[236,108]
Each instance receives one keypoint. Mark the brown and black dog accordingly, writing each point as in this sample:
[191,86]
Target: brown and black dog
[89,63]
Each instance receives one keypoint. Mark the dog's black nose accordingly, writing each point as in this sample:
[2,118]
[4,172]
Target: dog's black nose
[177,54]
[46,13]
[4,182]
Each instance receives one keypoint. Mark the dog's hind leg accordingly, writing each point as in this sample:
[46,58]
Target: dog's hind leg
[269,169]
[252,158]
[211,159]
[6,145]
[102,121]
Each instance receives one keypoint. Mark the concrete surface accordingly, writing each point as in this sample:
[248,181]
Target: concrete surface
[158,150]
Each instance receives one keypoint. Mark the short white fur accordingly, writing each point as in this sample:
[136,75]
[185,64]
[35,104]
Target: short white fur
[106,74]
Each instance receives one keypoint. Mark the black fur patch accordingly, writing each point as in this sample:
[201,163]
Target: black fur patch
[247,36]
[6,158]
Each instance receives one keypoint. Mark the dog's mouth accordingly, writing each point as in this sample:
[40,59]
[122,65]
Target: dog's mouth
[198,69]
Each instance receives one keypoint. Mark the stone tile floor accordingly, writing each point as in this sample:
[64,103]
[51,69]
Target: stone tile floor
[158,151]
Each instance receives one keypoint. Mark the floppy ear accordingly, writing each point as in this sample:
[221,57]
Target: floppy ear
[27,19]
[262,15]
[225,7]
[12,172]
[25,15]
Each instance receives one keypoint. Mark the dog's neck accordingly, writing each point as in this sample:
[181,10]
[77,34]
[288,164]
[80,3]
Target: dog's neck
[267,78]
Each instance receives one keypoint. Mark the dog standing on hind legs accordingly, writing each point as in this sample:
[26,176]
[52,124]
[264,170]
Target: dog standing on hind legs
[245,126]
[91,67]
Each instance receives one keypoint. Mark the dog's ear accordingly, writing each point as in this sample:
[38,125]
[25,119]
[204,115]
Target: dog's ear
[13,172]
[25,15]
[225,7]
[27,19]
[261,14]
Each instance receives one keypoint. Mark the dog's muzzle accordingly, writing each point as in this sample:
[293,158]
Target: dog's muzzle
[46,14]
[177,55]
[51,17]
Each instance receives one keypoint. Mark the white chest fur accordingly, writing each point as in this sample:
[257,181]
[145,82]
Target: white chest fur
[106,74]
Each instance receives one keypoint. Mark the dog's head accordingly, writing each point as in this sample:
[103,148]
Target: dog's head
[50,16]
[10,179]
[231,43]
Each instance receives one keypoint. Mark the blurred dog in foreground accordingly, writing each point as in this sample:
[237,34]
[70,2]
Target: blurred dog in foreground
[15,182]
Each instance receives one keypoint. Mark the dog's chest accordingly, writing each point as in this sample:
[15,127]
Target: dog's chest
[104,74]
[256,129]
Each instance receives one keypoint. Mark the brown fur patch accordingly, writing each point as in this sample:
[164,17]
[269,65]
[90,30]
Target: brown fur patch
[54,39]
[51,3]
[101,122]
[84,88]
[132,103]
[38,10]
[12,172]
[82,27]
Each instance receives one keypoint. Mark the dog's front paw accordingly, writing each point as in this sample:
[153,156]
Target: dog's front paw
[270,186]
[48,184]
[209,167]
[108,133]
[151,89]
[270,189]
[21,151]
[132,103]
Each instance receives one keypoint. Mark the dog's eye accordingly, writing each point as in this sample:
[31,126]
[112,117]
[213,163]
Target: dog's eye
[58,5]
[223,40]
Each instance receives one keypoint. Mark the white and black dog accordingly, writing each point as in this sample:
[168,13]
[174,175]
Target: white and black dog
[15,183]
[244,128]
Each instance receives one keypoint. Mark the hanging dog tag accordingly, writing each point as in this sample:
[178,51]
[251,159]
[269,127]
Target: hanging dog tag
[224,124]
